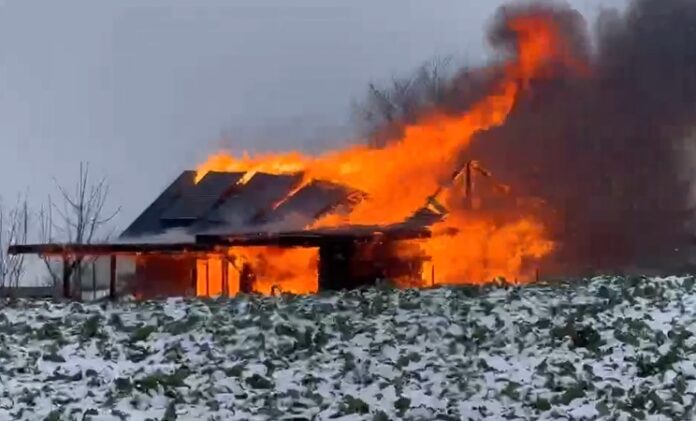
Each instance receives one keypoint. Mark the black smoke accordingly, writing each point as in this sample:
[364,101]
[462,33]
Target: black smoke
[604,151]
[607,153]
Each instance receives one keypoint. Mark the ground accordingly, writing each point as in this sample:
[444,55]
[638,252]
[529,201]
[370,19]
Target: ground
[607,348]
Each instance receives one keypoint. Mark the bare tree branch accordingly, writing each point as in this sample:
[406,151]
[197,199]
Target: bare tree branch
[14,229]
[387,109]
[47,226]
[81,219]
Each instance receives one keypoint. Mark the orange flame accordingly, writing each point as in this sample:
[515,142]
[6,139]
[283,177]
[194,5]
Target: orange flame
[282,270]
[277,270]
[399,177]
[481,250]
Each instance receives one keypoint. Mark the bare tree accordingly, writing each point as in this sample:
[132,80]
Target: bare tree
[386,109]
[79,217]
[14,227]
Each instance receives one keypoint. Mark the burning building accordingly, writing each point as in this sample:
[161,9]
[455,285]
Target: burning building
[585,143]
[404,211]
[231,232]
[213,233]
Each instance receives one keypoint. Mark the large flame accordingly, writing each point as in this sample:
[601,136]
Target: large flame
[399,177]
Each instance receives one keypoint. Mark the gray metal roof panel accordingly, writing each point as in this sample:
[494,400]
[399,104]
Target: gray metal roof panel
[149,221]
[311,201]
[266,202]
[201,199]
[257,196]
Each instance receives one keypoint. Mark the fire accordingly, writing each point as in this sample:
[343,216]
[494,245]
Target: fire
[482,250]
[540,45]
[399,177]
[275,164]
[276,270]
[280,270]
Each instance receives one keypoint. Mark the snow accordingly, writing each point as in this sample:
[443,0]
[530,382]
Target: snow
[606,348]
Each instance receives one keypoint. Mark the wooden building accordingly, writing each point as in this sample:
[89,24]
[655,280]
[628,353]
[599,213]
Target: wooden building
[187,235]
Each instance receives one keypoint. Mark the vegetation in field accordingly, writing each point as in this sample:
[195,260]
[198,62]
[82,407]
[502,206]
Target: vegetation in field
[606,348]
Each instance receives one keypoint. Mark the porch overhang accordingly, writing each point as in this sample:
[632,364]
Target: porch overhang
[211,243]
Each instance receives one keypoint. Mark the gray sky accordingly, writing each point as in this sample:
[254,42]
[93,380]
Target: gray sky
[145,89]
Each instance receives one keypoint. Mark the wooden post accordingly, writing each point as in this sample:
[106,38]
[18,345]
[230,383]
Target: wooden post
[246,279]
[94,280]
[207,277]
[66,278]
[225,277]
[112,278]
[432,275]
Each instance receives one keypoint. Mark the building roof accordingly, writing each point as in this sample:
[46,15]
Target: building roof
[224,202]
[233,209]
[247,205]
[150,221]
[199,200]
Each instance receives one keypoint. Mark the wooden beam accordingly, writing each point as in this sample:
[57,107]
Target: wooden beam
[108,249]
[213,243]
[315,238]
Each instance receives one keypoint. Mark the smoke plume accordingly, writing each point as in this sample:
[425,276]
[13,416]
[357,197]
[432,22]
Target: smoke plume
[603,150]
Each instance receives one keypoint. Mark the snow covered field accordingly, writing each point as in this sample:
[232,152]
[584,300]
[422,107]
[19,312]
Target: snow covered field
[602,349]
